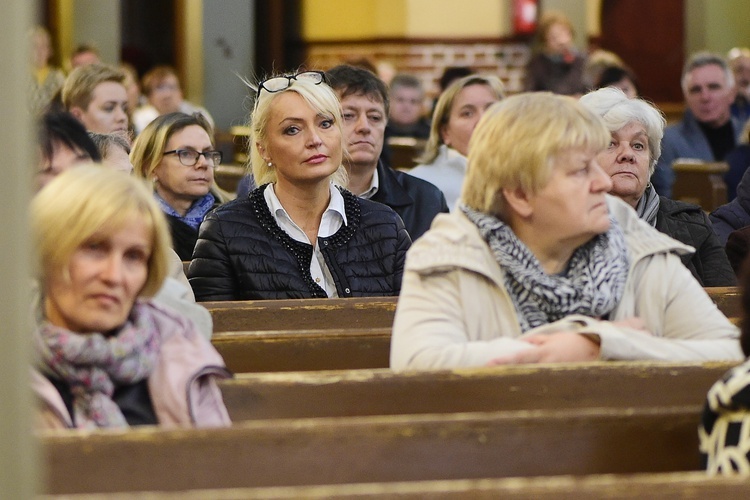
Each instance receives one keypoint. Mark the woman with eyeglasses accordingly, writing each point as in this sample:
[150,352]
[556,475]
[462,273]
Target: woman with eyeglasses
[176,153]
[299,234]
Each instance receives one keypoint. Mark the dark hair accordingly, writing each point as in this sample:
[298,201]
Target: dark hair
[613,74]
[63,128]
[347,80]
[453,73]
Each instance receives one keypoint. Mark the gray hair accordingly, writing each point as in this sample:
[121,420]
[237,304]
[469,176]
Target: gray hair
[104,142]
[405,80]
[700,59]
[617,111]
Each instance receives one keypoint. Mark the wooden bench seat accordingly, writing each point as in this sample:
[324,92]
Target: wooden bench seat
[540,387]
[375,449]
[304,350]
[351,313]
[665,486]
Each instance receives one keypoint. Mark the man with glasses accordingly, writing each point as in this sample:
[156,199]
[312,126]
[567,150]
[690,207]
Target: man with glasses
[364,99]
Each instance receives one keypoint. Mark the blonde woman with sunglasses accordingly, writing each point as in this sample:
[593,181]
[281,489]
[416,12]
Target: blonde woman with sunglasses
[299,234]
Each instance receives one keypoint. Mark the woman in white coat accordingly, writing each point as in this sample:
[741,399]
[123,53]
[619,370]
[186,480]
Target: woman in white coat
[539,264]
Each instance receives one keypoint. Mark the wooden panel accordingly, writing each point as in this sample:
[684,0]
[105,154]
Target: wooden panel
[374,449]
[541,387]
[700,183]
[665,486]
[649,36]
[304,350]
[307,314]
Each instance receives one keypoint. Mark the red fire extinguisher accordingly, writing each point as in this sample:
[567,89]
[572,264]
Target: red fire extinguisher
[524,16]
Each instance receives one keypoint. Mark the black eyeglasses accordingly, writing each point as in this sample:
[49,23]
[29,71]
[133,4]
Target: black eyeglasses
[189,158]
[279,83]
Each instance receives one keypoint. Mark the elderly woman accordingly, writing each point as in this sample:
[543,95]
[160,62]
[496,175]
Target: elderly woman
[637,128]
[457,113]
[541,265]
[176,153]
[109,356]
[298,235]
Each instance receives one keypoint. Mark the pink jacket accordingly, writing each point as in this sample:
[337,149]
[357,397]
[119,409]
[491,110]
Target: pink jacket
[183,385]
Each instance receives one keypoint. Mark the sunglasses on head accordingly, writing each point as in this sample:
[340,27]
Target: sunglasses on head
[279,83]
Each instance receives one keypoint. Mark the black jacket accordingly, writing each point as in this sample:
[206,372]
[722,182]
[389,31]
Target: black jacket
[735,214]
[242,254]
[690,225]
[184,236]
[415,200]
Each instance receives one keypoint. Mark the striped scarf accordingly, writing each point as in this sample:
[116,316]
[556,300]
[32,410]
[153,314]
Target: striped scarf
[592,284]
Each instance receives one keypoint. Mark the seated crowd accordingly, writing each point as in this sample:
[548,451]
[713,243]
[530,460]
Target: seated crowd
[538,228]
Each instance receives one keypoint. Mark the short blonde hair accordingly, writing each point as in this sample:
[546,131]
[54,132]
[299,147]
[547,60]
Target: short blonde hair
[516,142]
[79,86]
[89,200]
[320,97]
[444,107]
[148,148]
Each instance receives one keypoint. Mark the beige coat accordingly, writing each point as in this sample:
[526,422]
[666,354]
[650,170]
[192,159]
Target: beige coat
[454,310]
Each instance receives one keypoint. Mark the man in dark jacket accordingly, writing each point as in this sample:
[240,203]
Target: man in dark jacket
[364,99]
[735,214]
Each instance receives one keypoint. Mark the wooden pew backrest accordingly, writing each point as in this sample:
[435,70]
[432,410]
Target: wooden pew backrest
[375,449]
[305,314]
[665,485]
[541,387]
[304,350]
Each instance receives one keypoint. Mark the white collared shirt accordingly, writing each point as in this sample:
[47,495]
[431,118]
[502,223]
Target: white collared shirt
[374,185]
[333,218]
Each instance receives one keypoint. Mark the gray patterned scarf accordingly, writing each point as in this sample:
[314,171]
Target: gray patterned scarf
[592,284]
[648,206]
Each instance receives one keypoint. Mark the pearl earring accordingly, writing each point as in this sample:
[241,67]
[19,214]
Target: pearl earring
[270,164]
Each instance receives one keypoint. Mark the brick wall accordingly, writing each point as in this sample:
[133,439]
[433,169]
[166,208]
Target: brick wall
[428,59]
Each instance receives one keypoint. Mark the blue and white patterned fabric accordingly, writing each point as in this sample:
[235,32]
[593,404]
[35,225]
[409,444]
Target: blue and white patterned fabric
[195,214]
